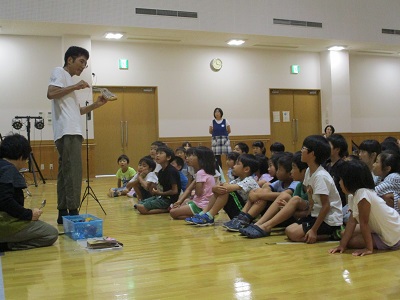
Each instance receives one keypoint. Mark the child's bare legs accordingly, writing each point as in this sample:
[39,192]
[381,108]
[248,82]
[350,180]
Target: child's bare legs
[257,208]
[287,211]
[219,204]
[145,211]
[181,212]
[295,232]
[357,241]
[136,187]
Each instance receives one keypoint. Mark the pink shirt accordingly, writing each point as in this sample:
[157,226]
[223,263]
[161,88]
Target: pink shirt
[208,180]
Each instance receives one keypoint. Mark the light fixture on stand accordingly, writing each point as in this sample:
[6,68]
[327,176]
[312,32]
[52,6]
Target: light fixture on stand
[16,124]
[39,124]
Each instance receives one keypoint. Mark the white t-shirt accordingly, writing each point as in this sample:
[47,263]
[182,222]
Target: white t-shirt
[383,220]
[66,111]
[322,183]
[247,184]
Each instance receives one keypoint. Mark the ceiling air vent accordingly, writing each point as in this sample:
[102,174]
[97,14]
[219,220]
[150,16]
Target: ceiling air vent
[390,31]
[166,13]
[297,23]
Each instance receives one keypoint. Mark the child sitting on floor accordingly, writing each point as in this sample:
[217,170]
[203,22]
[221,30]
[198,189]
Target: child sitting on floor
[387,167]
[285,208]
[169,185]
[325,203]
[202,160]
[230,162]
[145,180]
[124,174]
[178,164]
[372,224]
[259,199]
[230,196]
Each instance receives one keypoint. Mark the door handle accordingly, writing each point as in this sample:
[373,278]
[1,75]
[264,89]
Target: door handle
[122,133]
[126,133]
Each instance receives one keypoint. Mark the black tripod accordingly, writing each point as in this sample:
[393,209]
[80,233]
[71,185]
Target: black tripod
[88,191]
[31,159]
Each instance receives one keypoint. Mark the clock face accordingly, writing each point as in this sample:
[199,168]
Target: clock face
[216,64]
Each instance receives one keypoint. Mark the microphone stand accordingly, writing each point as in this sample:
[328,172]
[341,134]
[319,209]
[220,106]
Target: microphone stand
[88,191]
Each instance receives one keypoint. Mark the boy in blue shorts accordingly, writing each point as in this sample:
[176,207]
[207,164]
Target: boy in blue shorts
[230,196]
[169,185]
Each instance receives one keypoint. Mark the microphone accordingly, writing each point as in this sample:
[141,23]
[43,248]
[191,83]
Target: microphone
[89,114]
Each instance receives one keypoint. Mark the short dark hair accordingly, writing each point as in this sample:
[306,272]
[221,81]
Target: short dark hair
[179,161]
[180,149]
[370,146]
[320,146]
[390,145]
[260,144]
[74,52]
[390,139]
[206,159]
[390,159]
[15,146]
[338,141]
[249,160]
[148,161]
[262,163]
[297,161]
[232,156]
[168,151]
[274,159]
[355,175]
[331,127]
[243,146]
[285,161]
[220,110]
[277,147]
[123,156]
[158,144]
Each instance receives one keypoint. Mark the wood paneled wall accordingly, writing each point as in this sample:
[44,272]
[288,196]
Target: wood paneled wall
[46,153]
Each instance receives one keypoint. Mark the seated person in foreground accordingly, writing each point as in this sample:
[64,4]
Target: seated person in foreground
[145,180]
[20,228]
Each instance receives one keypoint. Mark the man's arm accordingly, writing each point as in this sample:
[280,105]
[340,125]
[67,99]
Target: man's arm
[56,92]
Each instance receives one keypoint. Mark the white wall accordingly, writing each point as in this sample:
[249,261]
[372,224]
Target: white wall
[188,90]
[375,93]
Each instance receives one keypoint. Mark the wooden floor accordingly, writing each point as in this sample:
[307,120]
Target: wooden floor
[166,259]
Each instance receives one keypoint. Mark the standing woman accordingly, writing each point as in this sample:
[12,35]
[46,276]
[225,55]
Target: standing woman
[220,130]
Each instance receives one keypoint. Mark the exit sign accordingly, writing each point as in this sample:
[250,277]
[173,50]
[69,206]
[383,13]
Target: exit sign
[123,64]
[295,69]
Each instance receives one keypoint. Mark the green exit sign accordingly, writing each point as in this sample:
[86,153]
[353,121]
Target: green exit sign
[294,69]
[123,64]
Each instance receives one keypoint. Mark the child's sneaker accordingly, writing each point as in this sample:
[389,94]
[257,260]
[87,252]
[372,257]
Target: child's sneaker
[229,223]
[236,224]
[202,220]
[131,193]
[190,219]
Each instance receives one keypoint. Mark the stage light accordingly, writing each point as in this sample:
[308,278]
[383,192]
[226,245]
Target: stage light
[39,124]
[16,124]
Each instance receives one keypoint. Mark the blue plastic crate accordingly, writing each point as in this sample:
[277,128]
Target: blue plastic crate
[77,229]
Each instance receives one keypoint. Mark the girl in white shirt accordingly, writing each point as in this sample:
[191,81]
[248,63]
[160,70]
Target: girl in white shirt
[372,223]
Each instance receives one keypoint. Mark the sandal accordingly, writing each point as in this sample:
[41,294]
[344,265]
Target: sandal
[253,232]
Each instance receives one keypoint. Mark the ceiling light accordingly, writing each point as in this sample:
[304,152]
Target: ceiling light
[113,35]
[235,42]
[336,48]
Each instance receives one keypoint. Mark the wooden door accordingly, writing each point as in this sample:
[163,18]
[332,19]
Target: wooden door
[141,122]
[125,126]
[295,114]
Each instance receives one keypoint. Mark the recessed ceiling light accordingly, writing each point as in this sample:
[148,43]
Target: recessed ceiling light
[235,42]
[336,48]
[113,35]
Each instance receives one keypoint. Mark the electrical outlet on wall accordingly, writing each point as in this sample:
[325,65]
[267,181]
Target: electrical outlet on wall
[51,166]
[42,167]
